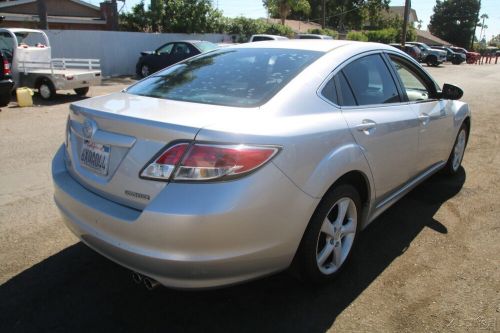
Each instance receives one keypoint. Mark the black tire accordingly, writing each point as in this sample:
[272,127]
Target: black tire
[453,167]
[306,259]
[5,99]
[144,70]
[432,61]
[46,89]
[82,91]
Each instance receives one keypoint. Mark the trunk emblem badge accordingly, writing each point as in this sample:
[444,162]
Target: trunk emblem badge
[89,128]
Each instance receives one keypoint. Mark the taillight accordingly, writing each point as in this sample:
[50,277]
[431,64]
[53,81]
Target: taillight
[6,67]
[203,162]
[164,165]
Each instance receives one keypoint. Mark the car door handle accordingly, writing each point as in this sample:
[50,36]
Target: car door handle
[366,126]
[424,118]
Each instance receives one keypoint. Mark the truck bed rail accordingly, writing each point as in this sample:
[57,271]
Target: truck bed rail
[59,64]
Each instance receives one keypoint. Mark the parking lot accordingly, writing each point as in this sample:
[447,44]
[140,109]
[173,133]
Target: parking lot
[430,263]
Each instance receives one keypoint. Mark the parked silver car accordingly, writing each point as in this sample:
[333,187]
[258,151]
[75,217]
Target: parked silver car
[246,160]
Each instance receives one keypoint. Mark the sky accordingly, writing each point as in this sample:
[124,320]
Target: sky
[424,9]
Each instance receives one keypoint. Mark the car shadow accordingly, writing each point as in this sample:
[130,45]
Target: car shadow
[79,290]
[59,98]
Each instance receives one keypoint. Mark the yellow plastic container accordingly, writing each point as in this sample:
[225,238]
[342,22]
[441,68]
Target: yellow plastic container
[24,96]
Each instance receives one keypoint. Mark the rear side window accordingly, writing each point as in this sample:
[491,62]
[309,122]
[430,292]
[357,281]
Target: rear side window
[309,37]
[165,49]
[206,46]
[371,81]
[245,77]
[345,91]
[329,92]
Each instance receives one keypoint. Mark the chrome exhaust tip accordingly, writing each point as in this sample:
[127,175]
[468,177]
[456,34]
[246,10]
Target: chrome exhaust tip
[150,283]
[137,277]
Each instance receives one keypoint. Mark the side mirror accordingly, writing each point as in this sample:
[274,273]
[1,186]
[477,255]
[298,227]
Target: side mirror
[451,92]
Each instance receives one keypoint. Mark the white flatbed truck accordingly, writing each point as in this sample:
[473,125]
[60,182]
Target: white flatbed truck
[32,65]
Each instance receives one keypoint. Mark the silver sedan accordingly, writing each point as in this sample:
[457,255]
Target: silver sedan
[247,160]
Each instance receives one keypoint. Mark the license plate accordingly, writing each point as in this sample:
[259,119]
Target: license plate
[95,157]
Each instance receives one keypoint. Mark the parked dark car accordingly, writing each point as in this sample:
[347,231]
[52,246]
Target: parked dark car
[455,58]
[6,83]
[169,54]
[431,56]
[411,50]
[471,57]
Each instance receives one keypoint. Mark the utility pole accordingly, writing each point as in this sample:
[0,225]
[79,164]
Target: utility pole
[405,21]
[41,7]
[324,15]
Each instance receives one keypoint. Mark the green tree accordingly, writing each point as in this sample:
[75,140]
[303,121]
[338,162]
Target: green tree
[346,14]
[182,16]
[282,8]
[483,26]
[138,19]
[455,20]
[374,9]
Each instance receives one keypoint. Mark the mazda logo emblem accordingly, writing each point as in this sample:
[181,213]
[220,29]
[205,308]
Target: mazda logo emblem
[89,128]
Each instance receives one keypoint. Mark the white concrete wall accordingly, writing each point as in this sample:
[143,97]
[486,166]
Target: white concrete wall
[118,51]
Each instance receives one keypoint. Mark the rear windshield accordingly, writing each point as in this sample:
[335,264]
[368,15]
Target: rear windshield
[206,46]
[261,38]
[230,77]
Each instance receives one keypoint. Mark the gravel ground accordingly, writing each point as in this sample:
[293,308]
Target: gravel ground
[430,263]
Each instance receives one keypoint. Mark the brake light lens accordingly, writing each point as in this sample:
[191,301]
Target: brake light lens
[164,165]
[6,67]
[205,162]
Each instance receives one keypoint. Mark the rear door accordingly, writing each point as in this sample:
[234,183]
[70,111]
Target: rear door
[180,52]
[162,58]
[381,123]
[436,119]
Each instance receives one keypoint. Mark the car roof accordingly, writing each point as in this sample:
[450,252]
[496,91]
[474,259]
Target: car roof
[267,35]
[22,30]
[321,45]
[192,41]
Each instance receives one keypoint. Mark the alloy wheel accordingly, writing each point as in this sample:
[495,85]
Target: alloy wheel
[145,70]
[336,236]
[45,91]
[459,149]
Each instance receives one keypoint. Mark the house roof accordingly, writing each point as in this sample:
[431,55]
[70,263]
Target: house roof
[25,11]
[427,35]
[53,19]
[22,2]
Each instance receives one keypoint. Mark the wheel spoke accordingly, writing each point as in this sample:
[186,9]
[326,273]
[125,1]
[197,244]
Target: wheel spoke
[348,228]
[343,205]
[337,253]
[325,252]
[327,227]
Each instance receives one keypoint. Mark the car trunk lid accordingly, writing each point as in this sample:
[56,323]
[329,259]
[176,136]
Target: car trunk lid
[112,138]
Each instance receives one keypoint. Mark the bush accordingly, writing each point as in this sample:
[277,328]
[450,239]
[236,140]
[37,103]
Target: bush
[411,35]
[328,32]
[357,35]
[278,29]
[243,28]
[385,36]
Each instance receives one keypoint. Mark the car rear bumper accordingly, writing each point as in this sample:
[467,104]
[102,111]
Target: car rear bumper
[193,235]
